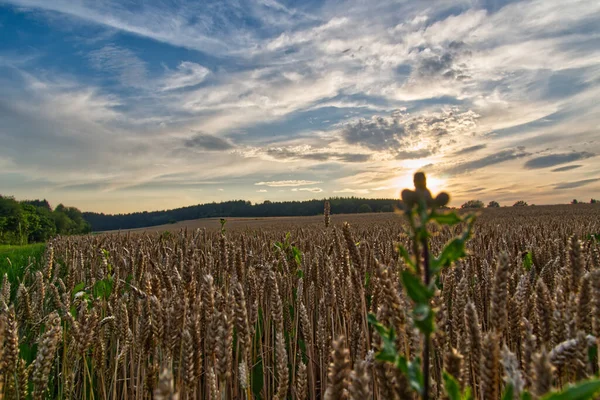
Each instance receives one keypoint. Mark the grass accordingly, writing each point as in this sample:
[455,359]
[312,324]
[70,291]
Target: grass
[14,260]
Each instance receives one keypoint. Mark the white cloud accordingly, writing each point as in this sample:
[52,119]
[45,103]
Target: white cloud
[355,191]
[312,190]
[287,183]
[187,74]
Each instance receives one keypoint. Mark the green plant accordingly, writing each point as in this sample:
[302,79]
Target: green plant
[419,281]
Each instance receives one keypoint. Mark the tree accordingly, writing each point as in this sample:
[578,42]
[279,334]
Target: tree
[594,201]
[493,204]
[574,201]
[12,221]
[365,208]
[387,208]
[473,204]
[520,203]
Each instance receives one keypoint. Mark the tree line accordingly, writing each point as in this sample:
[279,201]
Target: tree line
[237,208]
[31,221]
[520,203]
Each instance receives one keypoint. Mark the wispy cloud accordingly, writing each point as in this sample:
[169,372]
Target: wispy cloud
[576,184]
[187,74]
[120,62]
[287,183]
[556,159]
[567,168]
[354,191]
[312,190]
[202,141]
[470,149]
[492,159]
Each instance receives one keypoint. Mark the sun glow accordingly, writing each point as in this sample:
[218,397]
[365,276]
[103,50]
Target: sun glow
[434,184]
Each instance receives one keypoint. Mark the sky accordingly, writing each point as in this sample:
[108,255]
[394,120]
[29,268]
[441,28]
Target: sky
[128,105]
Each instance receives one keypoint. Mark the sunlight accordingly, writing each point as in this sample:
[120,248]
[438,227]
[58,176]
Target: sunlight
[416,163]
[434,184]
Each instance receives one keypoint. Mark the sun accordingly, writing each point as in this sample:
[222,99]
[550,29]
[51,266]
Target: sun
[434,184]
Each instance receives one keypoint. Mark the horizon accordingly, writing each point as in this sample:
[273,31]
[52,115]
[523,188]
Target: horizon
[128,108]
[450,206]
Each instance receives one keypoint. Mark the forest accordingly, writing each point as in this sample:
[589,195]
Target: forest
[237,208]
[32,221]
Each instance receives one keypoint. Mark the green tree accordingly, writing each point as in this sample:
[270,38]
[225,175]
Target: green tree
[473,204]
[365,208]
[39,223]
[520,203]
[11,221]
[493,204]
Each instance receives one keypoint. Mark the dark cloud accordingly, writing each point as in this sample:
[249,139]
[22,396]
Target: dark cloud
[471,149]
[86,186]
[576,184]
[378,133]
[556,159]
[291,154]
[401,132]
[444,64]
[475,190]
[567,168]
[208,142]
[492,159]
[355,158]
[412,155]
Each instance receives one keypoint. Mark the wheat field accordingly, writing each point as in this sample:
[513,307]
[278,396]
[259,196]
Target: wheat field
[281,311]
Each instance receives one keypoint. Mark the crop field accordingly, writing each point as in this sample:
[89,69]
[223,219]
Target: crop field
[289,308]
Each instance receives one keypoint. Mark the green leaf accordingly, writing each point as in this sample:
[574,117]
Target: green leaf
[424,318]
[592,353]
[257,379]
[508,392]
[406,257]
[526,396]
[297,255]
[103,288]
[299,273]
[450,218]
[454,250]
[388,352]
[467,394]
[451,387]
[415,288]
[412,370]
[27,352]
[78,288]
[582,390]
[527,260]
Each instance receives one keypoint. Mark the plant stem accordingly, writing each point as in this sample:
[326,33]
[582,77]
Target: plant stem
[426,346]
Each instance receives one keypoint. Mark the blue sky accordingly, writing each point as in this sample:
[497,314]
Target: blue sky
[121,106]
